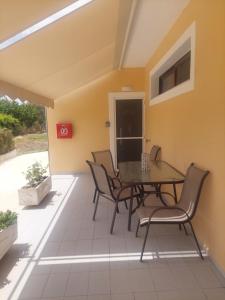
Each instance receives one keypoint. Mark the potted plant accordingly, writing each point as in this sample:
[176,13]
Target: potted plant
[37,187]
[8,231]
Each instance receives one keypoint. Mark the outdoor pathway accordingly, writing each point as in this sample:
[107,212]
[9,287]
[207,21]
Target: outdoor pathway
[12,178]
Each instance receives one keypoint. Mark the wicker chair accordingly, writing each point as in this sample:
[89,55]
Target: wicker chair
[105,190]
[104,157]
[182,212]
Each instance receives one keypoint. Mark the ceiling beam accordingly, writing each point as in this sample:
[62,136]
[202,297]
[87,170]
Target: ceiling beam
[127,12]
[14,92]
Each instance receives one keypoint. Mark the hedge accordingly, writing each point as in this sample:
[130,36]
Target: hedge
[9,122]
[6,141]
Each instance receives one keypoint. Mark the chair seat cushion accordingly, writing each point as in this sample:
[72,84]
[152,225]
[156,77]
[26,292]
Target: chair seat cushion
[165,215]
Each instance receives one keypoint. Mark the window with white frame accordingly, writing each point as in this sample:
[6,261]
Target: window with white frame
[174,74]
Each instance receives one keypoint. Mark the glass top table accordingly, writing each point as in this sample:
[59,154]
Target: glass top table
[160,172]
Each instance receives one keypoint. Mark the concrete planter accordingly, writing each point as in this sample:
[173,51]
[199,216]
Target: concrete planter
[34,195]
[7,238]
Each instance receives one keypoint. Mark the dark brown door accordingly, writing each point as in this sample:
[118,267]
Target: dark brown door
[129,129]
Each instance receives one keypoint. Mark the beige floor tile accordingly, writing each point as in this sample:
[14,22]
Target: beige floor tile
[145,296]
[120,282]
[162,279]
[99,297]
[141,280]
[123,297]
[215,294]
[76,298]
[56,285]
[205,276]
[77,284]
[34,287]
[99,283]
[181,295]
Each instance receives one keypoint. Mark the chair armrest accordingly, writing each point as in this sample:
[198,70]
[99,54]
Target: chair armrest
[129,186]
[169,194]
[116,179]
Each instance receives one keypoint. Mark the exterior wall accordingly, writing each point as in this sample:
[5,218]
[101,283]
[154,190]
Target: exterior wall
[191,127]
[87,109]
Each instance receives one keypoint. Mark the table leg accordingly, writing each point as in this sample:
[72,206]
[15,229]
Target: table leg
[160,196]
[130,209]
[175,192]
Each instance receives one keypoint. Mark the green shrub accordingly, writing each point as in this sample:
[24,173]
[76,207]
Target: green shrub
[26,113]
[36,128]
[7,218]
[35,174]
[6,141]
[9,122]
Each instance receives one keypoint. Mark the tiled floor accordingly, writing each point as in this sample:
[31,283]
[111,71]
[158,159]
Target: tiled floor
[62,254]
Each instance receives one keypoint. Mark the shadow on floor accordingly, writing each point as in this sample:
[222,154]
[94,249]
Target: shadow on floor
[48,200]
[10,260]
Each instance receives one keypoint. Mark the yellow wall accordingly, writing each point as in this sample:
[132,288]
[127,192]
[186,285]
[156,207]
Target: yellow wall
[87,109]
[191,127]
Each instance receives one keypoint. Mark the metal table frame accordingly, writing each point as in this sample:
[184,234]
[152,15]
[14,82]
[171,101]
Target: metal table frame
[139,182]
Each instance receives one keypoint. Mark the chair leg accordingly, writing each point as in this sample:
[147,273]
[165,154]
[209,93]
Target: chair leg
[157,190]
[125,202]
[130,211]
[144,243]
[95,195]
[196,241]
[138,201]
[96,206]
[185,229]
[114,217]
[138,225]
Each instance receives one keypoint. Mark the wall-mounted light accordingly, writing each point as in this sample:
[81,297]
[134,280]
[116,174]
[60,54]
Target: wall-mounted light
[126,88]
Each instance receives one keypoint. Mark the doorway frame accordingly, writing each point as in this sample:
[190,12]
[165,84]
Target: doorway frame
[112,97]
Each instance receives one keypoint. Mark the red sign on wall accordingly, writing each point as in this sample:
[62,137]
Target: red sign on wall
[64,130]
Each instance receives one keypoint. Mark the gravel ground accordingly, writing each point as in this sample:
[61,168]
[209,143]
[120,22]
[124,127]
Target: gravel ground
[31,143]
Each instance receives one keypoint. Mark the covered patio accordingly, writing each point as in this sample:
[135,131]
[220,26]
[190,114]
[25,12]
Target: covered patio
[82,59]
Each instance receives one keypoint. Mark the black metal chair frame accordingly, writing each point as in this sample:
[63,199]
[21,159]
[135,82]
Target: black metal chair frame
[157,151]
[157,187]
[183,222]
[112,179]
[116,200]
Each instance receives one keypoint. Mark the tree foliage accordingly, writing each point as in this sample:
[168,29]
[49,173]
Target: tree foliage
[26,113]
[7,121]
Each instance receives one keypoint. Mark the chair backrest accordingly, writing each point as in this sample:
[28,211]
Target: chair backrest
[154,152]
[100,177]
[191,191]
[104,158]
